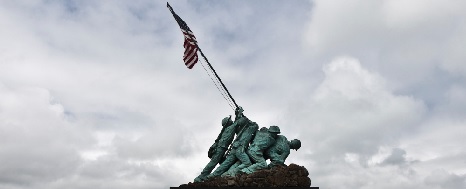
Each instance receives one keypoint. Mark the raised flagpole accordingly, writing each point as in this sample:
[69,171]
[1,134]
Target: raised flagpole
[202,54]
[228,92]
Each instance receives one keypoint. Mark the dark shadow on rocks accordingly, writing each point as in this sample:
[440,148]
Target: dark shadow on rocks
[280,176]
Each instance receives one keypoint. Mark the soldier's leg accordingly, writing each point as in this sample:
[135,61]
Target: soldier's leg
[213,162]
[231,171]
[234,166]
[276,161]
[229,161]
[259,162]
[211,165]
[244,158]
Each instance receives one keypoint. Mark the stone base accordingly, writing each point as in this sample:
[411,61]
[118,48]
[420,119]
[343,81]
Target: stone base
[278,177]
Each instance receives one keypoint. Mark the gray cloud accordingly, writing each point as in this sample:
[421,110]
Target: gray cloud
[442,179]
[36,138]
[397,157]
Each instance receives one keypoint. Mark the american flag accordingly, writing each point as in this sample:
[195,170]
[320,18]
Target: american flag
[190,44]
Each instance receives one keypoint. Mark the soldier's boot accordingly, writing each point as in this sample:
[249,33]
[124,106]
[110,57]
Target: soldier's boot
[227,174]
[246,170]
[201,177]
[209,177]
[212,175]
[255,167]
[244,165]
[231,170]
[230,173]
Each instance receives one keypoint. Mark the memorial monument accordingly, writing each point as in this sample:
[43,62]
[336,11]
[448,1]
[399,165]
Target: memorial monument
[241,149]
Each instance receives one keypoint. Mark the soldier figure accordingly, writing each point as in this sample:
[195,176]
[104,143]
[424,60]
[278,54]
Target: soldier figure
[220,146]
[279,151]
[240,144]
[263,139]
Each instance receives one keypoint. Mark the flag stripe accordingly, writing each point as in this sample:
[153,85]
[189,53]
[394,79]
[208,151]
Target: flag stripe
[190,56]
[191,60]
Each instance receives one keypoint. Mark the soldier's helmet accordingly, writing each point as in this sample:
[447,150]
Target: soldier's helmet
[274,129]
[295,144]
[226,121]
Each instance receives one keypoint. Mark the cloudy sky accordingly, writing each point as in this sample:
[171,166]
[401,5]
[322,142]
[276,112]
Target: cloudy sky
[94,94]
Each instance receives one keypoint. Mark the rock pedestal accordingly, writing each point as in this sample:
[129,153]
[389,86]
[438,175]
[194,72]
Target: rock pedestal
[280,176]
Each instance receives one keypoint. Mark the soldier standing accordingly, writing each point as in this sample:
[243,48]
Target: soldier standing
[220,146]
[239,146]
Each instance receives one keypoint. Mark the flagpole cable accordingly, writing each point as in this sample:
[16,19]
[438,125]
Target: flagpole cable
[182,24]
[224,92]
[223,89]
[215,83]
[223,85]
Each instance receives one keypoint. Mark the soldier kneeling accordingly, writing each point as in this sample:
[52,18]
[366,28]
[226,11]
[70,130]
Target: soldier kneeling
[264,138]
[279,151]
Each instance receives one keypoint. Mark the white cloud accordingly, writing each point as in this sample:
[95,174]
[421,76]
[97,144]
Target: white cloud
[36,138]
[405,40]
[354,111]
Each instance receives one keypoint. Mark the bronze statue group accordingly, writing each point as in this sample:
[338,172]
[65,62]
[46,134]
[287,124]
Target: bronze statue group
[249,150]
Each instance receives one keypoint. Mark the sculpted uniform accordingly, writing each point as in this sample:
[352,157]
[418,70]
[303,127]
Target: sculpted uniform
[239,146]
[279,151]
[218,149]
[263,139]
